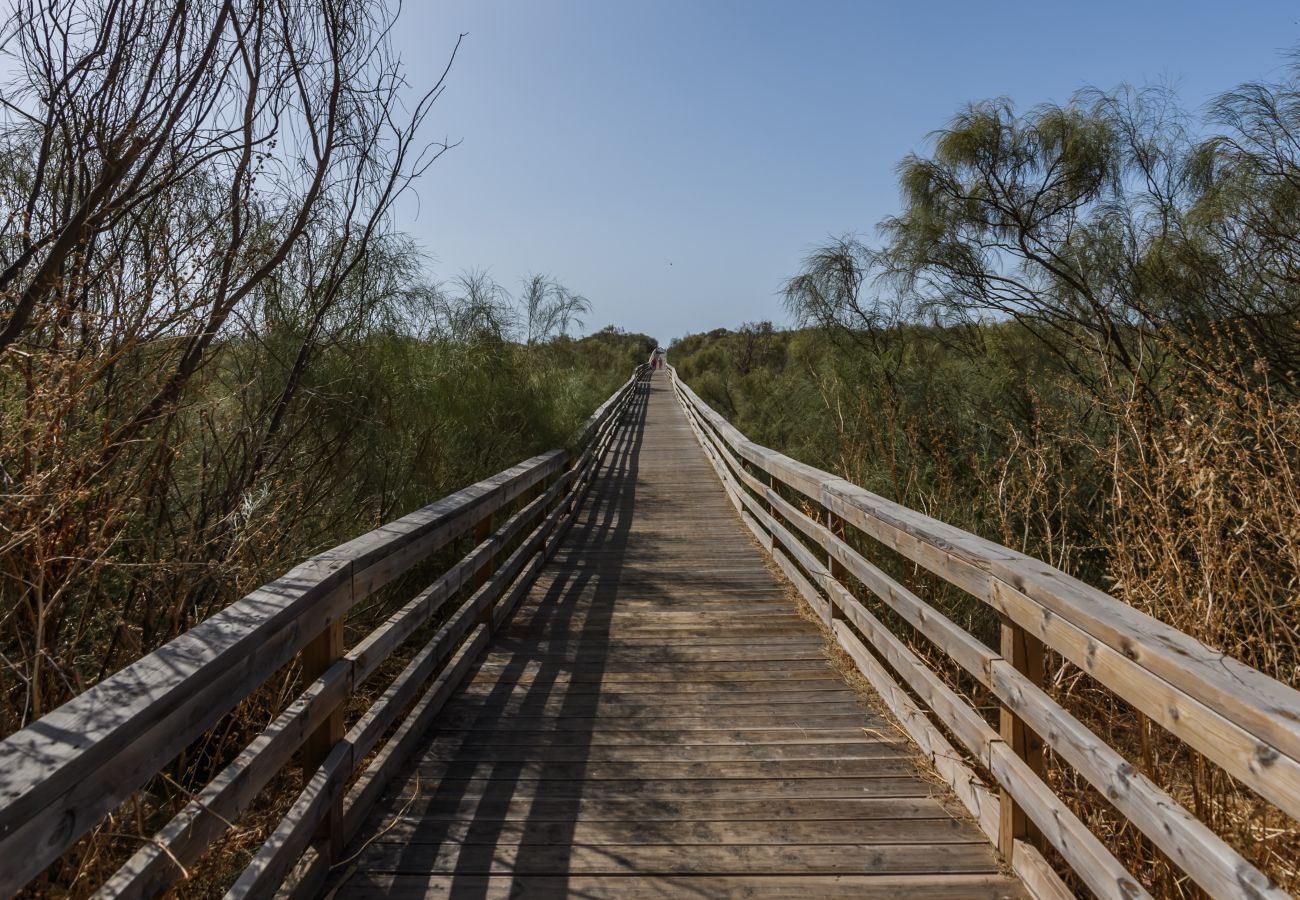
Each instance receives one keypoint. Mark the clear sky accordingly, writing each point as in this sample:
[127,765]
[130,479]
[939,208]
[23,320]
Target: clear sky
[674,161]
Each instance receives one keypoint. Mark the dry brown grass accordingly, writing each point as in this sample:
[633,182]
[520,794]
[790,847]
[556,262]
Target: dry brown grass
[1200,529]
[1203,533]
[1191,514]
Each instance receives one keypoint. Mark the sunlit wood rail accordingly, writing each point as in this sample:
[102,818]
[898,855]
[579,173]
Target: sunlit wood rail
[658,720]
[814,523]
[61,775]
[610,694]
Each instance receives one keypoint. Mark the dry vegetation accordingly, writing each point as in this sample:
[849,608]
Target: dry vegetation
[1080,338]
[218,355]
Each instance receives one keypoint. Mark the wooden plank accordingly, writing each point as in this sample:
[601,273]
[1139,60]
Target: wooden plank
[1259,705]
[373,886]
[287,843]
[376,646]
[63,773]
[450,749]
[656,701]
[1040,879]
[614,708]
[682,788]
[881,832]
[1247,699]
[718,690]
[452,807]
[661,770]
[386,764]
[1259,765]
[710,624]
[624,734]
[612,697]
[318,656]
[691,669]
[711,678]
[608,645]
[819,604]
[1086,855]
[1191,845]
[1024,654]
[278,855]
[965,649]
[969,788]
[1194,847]
[158,863]
[761,720]
[642,859]
[385,711]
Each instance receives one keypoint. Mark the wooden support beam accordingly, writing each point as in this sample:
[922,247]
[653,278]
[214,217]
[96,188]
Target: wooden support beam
[483,532]
[833,565]
[322,652]
[1025,653]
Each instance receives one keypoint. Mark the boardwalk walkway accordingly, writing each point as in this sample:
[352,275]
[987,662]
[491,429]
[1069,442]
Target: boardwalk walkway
[658,721]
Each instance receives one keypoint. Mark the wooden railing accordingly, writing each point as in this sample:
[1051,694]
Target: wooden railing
[1242,720]
[61,775]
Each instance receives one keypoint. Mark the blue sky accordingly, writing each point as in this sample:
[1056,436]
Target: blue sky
[674,161]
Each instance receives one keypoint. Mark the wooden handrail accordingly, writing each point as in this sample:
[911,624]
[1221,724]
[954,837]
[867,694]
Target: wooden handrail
[1234,715]
[62,774]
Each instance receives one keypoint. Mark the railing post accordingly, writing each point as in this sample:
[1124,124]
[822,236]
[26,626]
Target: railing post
[558,502]
[836,568]
[759,475]
[1025,653]
[483,531]
[536,491]
[322,652]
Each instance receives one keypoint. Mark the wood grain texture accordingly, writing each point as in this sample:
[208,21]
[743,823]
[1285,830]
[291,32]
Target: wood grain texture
[1233,714]
[373,886]
[60,775]
[1039,606]
[656,719]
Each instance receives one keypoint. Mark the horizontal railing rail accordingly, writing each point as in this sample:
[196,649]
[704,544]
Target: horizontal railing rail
[1235,716]
[63,774]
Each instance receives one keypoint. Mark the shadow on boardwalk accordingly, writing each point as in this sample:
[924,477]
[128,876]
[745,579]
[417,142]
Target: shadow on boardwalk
[658,721]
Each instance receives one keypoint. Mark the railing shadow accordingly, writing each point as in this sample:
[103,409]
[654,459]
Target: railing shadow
[576,607]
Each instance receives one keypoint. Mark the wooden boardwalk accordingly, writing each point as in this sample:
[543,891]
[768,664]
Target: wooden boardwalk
[657,720]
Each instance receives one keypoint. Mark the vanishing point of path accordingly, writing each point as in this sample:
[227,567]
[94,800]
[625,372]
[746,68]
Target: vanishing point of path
[657,720]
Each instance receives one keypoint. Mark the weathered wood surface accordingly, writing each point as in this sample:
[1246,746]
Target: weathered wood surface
[656,720]
[1233,714]
[60,775]
[1040,607]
